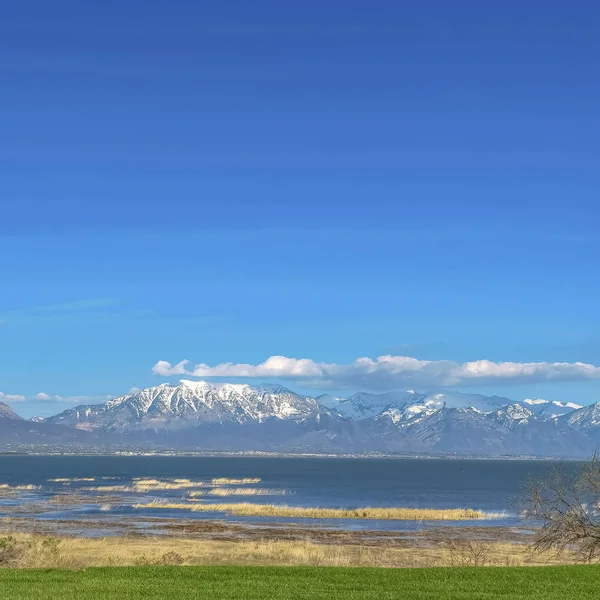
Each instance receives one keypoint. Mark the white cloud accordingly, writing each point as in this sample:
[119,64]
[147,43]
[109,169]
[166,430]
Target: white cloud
[388,372]
[84,399]
[165,369]
[11,397]
[44,397]
[541,371]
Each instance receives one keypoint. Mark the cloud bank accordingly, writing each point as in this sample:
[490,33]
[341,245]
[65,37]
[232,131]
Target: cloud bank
[389,372]
[12,397]
[42,396]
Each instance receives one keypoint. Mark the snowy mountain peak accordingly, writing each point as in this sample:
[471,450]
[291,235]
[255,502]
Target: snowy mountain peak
[225,416]
[189,404]
[549,409]
[420,406]
[363,405]
[513,414]
[587,417]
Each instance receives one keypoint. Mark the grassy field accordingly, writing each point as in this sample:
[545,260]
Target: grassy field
[293,583]
[38,551]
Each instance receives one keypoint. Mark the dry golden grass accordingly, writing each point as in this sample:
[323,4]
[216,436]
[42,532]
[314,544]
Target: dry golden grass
[244,491]
[248,509]
[145,485]
[149,485]
[110,488]
[25,550]
[19,488]
[227,481]
[71,479]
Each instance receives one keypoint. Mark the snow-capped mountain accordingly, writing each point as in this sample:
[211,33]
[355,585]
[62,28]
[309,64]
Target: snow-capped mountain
[191,403]
[211,416]
[512,415]
[549,409]
[584,419]
[459,400]
[511,429]
[363,405]
[410,405]
[407,405]
[458,422]
[458,430]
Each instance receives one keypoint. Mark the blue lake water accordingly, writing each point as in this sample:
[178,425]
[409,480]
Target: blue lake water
[495,486]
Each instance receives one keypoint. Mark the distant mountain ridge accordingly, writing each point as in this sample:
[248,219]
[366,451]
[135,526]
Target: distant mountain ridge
[16,430]
[223,416]
[191,403]
[6,412]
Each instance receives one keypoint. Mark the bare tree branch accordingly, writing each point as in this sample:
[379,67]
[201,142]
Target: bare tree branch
[568,509]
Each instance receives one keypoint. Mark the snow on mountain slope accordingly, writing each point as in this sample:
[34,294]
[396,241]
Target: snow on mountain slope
[512,415]
[364,406]
[584,418]
[512,429]
[427,404]
[460,400]
[407,405]
[224,416]
[549,409]
[191,403]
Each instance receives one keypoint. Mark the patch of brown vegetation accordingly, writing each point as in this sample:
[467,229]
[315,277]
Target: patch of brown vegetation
[281,510]
[26,550]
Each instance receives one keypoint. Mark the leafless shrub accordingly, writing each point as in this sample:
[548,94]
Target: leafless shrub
[468,554]
[567,506]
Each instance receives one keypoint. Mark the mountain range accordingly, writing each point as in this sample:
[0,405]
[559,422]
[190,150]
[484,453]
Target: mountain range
[238,417]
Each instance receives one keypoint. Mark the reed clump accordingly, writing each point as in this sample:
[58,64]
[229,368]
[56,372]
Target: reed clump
[248,509]
[109,488]
[147,485]
[71,479]
[237,492]
[19,488]
[142,485]
[228,481]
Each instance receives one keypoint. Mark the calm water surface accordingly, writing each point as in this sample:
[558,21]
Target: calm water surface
[489,485]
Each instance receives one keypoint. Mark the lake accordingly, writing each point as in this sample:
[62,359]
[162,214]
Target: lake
[82,487]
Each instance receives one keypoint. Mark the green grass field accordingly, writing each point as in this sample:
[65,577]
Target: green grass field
[314,583]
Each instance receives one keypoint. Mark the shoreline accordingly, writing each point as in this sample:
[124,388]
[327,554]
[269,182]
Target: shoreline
[260,454]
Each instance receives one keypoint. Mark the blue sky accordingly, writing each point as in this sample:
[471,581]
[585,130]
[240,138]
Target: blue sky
[228,181]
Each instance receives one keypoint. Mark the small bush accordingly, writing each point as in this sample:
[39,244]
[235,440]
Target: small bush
[171,558]
[469,554]
[50,543]
[11,551]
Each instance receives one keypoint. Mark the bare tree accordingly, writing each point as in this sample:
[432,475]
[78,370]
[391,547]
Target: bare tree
[566,505]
